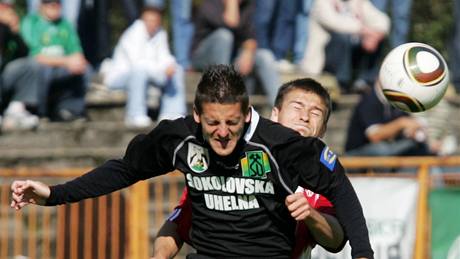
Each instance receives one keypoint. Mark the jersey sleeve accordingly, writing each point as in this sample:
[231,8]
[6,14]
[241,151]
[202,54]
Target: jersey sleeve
[323,205]
[182,217]
[309,163]
[146,156]
[152,154]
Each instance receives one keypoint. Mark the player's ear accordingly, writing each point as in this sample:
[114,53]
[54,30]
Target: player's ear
[248,116]
[323,130]
[274,115]
[196,116]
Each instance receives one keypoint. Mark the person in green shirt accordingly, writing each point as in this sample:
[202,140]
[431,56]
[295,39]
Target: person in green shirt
[55,66]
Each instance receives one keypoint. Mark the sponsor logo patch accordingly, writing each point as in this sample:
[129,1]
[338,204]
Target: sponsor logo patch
[197,158]
[255,165]
[328,158]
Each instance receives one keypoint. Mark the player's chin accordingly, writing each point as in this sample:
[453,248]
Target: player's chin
[303,131]
[223,149]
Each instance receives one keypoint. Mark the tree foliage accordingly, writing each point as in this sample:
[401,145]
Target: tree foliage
[432,23]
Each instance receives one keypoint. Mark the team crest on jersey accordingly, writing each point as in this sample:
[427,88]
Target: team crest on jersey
[197,158]
[255,164]
[328,158]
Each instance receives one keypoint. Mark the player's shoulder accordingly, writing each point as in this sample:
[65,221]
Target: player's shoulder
[180,127]
[273,132]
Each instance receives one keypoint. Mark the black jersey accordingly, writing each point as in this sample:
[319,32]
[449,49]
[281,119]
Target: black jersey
[237,201]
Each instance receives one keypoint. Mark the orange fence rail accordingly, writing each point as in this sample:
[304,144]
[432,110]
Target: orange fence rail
[124,223]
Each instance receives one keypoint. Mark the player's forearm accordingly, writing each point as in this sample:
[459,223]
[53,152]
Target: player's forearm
[111,176]
[350,214]
[165,247]
[168,242]
[326,231]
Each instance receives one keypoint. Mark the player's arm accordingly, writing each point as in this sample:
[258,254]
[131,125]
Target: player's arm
[324,228]
[390,130]
[175,231]
[168,243]
[326,231]
[312,165]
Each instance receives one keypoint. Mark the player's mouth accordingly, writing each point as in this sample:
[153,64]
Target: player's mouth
[223,141]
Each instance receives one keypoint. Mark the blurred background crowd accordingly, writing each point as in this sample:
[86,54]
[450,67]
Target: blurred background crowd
[53,52]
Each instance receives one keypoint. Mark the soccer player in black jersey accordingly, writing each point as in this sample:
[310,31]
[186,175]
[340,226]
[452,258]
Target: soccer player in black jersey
[303,105]
[238,167]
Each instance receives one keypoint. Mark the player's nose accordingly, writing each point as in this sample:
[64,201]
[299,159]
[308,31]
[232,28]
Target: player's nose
[222,131]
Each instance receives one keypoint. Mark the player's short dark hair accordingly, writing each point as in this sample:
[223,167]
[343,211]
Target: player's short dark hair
[307,85]
[152,8]
[221,84]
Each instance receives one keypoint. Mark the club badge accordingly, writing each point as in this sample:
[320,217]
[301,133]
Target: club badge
[255,165]
[197,158]
[328,158]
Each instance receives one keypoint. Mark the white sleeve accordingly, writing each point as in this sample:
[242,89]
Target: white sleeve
[327,14]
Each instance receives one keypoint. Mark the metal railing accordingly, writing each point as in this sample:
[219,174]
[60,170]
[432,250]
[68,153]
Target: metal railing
[124,223]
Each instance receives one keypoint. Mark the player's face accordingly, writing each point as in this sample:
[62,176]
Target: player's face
[152,21]
[51,11]
[222,125]
[303,112]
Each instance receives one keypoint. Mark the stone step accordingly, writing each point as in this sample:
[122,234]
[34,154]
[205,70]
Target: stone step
[59,156]
[108,105]
[66,135]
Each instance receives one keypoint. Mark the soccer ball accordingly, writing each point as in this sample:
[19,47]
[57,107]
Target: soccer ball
[414,77]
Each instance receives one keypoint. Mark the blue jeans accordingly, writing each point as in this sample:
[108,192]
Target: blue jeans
[274,22]
[265,70]
[216,48]
[182,28]
[264,11]
[136,82]
[400,20]
[20,81]
[49,89]
[283,36]
[455,60]
[301,30]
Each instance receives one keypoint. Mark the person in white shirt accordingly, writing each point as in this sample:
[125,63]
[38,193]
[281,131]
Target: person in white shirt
[359,19]
[141,58]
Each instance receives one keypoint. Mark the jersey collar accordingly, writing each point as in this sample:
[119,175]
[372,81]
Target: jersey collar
[252,124]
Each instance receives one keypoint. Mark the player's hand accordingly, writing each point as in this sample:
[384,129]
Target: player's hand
[298,206]
[28,192]
[170,70]
[411,127]
[245,63]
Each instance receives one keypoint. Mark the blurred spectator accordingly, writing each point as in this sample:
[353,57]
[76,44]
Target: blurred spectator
[182,28]
[455,55]
[11,47]
[301,30]
[400,13]
[52,76]
[70,9]
[11,44]
[95,30]
[378,129]
[351,23]
[142,57]
[224,34]
[441,139]
[274,25]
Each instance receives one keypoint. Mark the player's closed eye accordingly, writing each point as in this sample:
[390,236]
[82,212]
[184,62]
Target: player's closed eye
[212,123]
[232,123]
[316,113]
